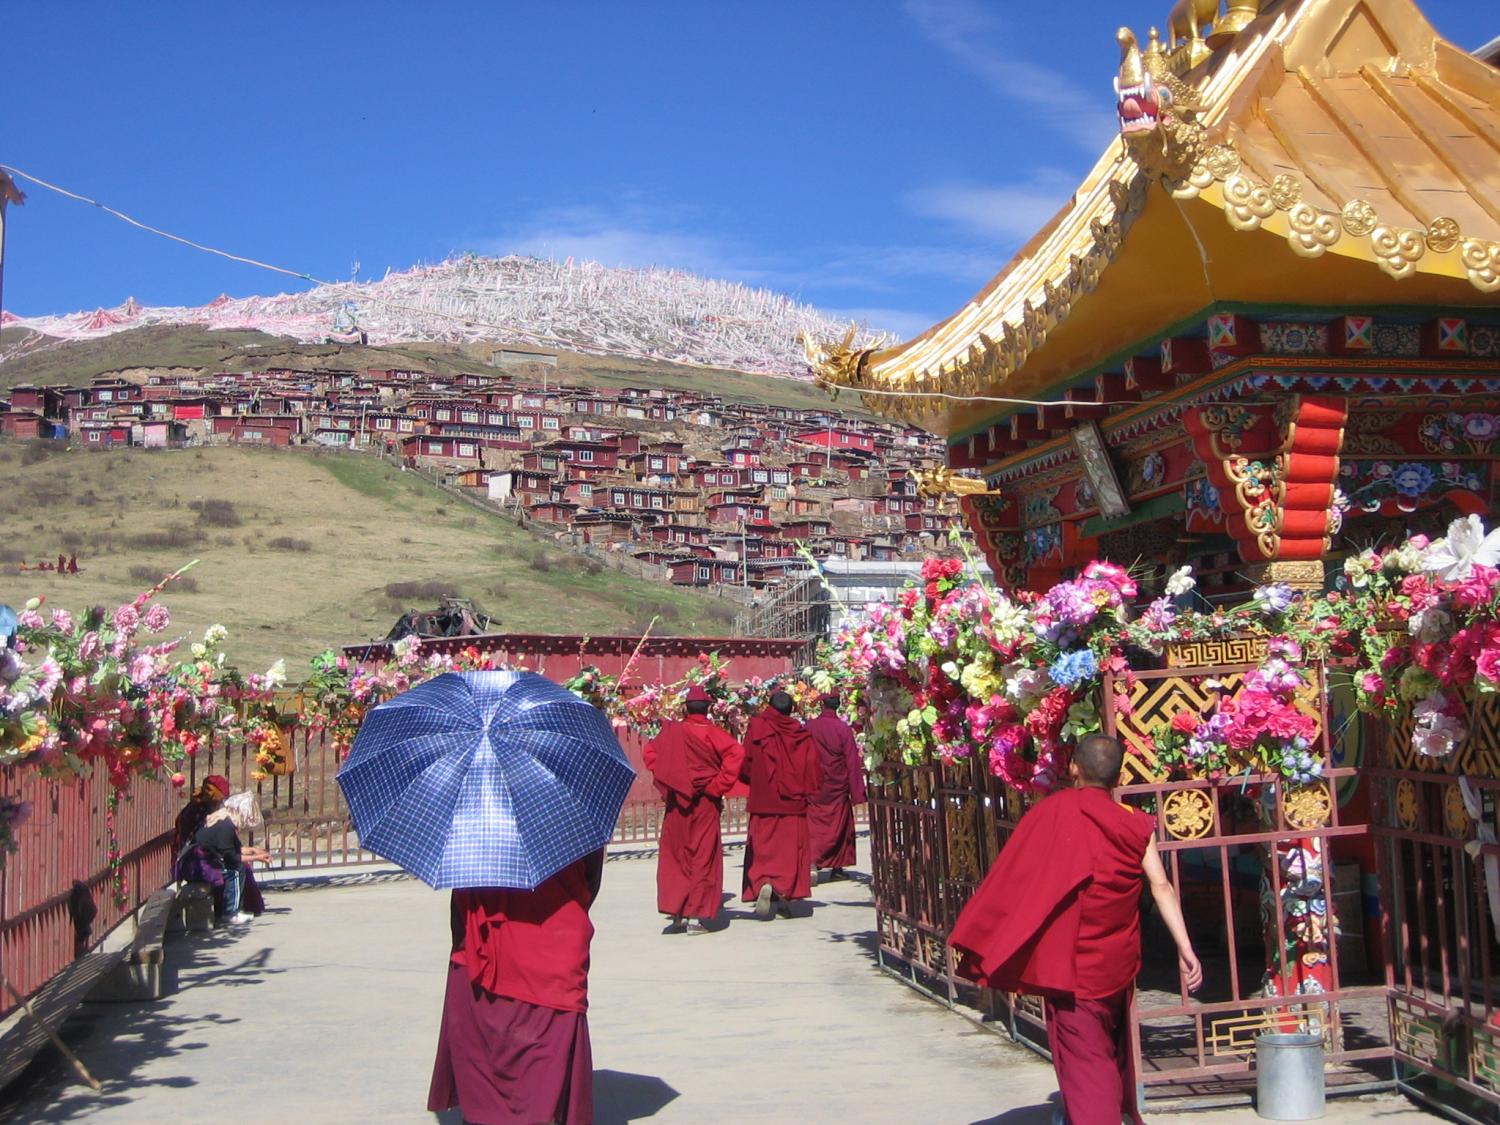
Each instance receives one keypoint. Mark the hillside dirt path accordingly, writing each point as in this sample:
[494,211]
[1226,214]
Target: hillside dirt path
[326,1010]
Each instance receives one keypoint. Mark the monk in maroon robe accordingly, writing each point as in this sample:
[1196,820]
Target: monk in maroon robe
[694,763]
[830,811]
[514,1044]
[1058,916]
[781,765]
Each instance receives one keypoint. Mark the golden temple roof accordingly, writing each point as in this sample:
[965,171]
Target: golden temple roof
[1344,131]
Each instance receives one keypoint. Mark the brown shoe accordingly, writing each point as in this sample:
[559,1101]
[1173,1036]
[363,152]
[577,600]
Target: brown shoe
[763,901]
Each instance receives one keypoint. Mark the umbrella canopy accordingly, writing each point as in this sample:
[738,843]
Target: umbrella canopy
[485,779]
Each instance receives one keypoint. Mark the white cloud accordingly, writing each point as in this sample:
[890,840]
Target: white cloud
[632,234]
[970,33]
[1005,213]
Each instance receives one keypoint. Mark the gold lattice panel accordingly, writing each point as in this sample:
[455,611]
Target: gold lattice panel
[1235,1035]
[1238,650]
[1484,1057]
[963,839]
[1153,702]
[1415,1033]
[1480,754]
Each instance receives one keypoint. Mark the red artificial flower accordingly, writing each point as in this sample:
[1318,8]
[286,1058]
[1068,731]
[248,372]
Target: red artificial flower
[1184,722]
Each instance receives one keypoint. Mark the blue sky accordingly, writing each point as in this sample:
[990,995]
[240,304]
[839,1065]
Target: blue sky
[871,156]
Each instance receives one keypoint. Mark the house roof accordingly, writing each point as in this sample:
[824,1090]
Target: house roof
[1327,147]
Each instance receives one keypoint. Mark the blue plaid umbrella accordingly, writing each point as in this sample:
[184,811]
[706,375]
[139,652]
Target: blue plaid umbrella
[485,779]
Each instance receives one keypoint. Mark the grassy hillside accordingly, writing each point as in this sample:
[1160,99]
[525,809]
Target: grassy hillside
[300,551]
[79,361]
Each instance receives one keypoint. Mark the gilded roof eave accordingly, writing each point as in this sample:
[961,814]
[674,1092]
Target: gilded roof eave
[1282,97]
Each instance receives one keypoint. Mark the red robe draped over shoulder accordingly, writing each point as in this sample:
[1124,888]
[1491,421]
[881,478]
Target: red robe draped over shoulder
[693,757]
[782,767]
[1059,913]
[781,764]
[830,811]
[694,763]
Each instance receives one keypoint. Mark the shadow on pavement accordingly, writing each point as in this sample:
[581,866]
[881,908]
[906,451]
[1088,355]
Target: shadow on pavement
[115,1040]
[621,1097]
[1025,1114]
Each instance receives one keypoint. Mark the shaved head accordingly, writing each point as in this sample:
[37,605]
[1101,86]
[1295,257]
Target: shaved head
[1099,758]
[782,702]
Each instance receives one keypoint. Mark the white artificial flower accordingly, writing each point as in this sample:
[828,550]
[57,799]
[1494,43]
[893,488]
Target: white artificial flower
[276,675]
[1181,582]
[199,650]
[1430,625]
[1465,546]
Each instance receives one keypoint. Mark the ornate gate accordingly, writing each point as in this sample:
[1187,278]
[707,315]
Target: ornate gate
[1440,867]
[1267,872]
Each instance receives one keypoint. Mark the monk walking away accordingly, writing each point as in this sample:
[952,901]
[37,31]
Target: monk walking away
[514,1041]
[694,764]
[781,765]
[1058,916]
[830,811]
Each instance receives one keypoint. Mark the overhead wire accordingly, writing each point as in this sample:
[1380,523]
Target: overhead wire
[366,295]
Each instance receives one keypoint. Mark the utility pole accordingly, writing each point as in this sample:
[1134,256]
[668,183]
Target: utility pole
[9,193]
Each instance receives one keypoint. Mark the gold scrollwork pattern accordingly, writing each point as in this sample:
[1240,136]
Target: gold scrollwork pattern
[963,842]
[1188,814]
[1358,217]
[1406,804]
[1442,235]
[1482,263]
[1312,230]
[1247,203]
[1260,489]
[1234,650]
[1456,814]
[1397,250]
[1309,806]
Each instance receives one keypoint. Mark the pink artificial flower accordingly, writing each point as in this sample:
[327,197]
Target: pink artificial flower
[1487,665]
[157,618]
[127,619]
[29,619]
[62,620]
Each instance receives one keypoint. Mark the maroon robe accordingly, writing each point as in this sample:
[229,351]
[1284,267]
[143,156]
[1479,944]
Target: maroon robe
[781,765]
[830,811]
[694,763]
[514,1044]
[1059,916]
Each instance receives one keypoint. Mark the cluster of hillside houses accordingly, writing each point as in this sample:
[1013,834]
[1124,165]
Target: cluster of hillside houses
[713,490]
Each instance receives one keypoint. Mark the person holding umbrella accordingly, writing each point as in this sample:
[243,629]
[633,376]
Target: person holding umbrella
[503,787]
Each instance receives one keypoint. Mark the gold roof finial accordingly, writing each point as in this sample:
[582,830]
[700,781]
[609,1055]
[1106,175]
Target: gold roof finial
[1238,15]
[1153,48]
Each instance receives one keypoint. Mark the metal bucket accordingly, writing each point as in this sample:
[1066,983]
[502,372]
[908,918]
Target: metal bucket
[1289,1076]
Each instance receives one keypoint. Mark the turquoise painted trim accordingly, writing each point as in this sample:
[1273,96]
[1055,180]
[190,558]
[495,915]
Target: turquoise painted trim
[1167,505]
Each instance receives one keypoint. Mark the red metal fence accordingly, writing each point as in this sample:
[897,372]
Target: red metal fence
[1279,934]
[67,840]
[1436,829]
[306,821]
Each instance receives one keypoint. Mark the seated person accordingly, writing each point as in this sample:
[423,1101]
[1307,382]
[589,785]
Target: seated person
[213,854]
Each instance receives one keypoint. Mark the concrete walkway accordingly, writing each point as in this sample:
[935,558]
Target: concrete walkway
[326,1010]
